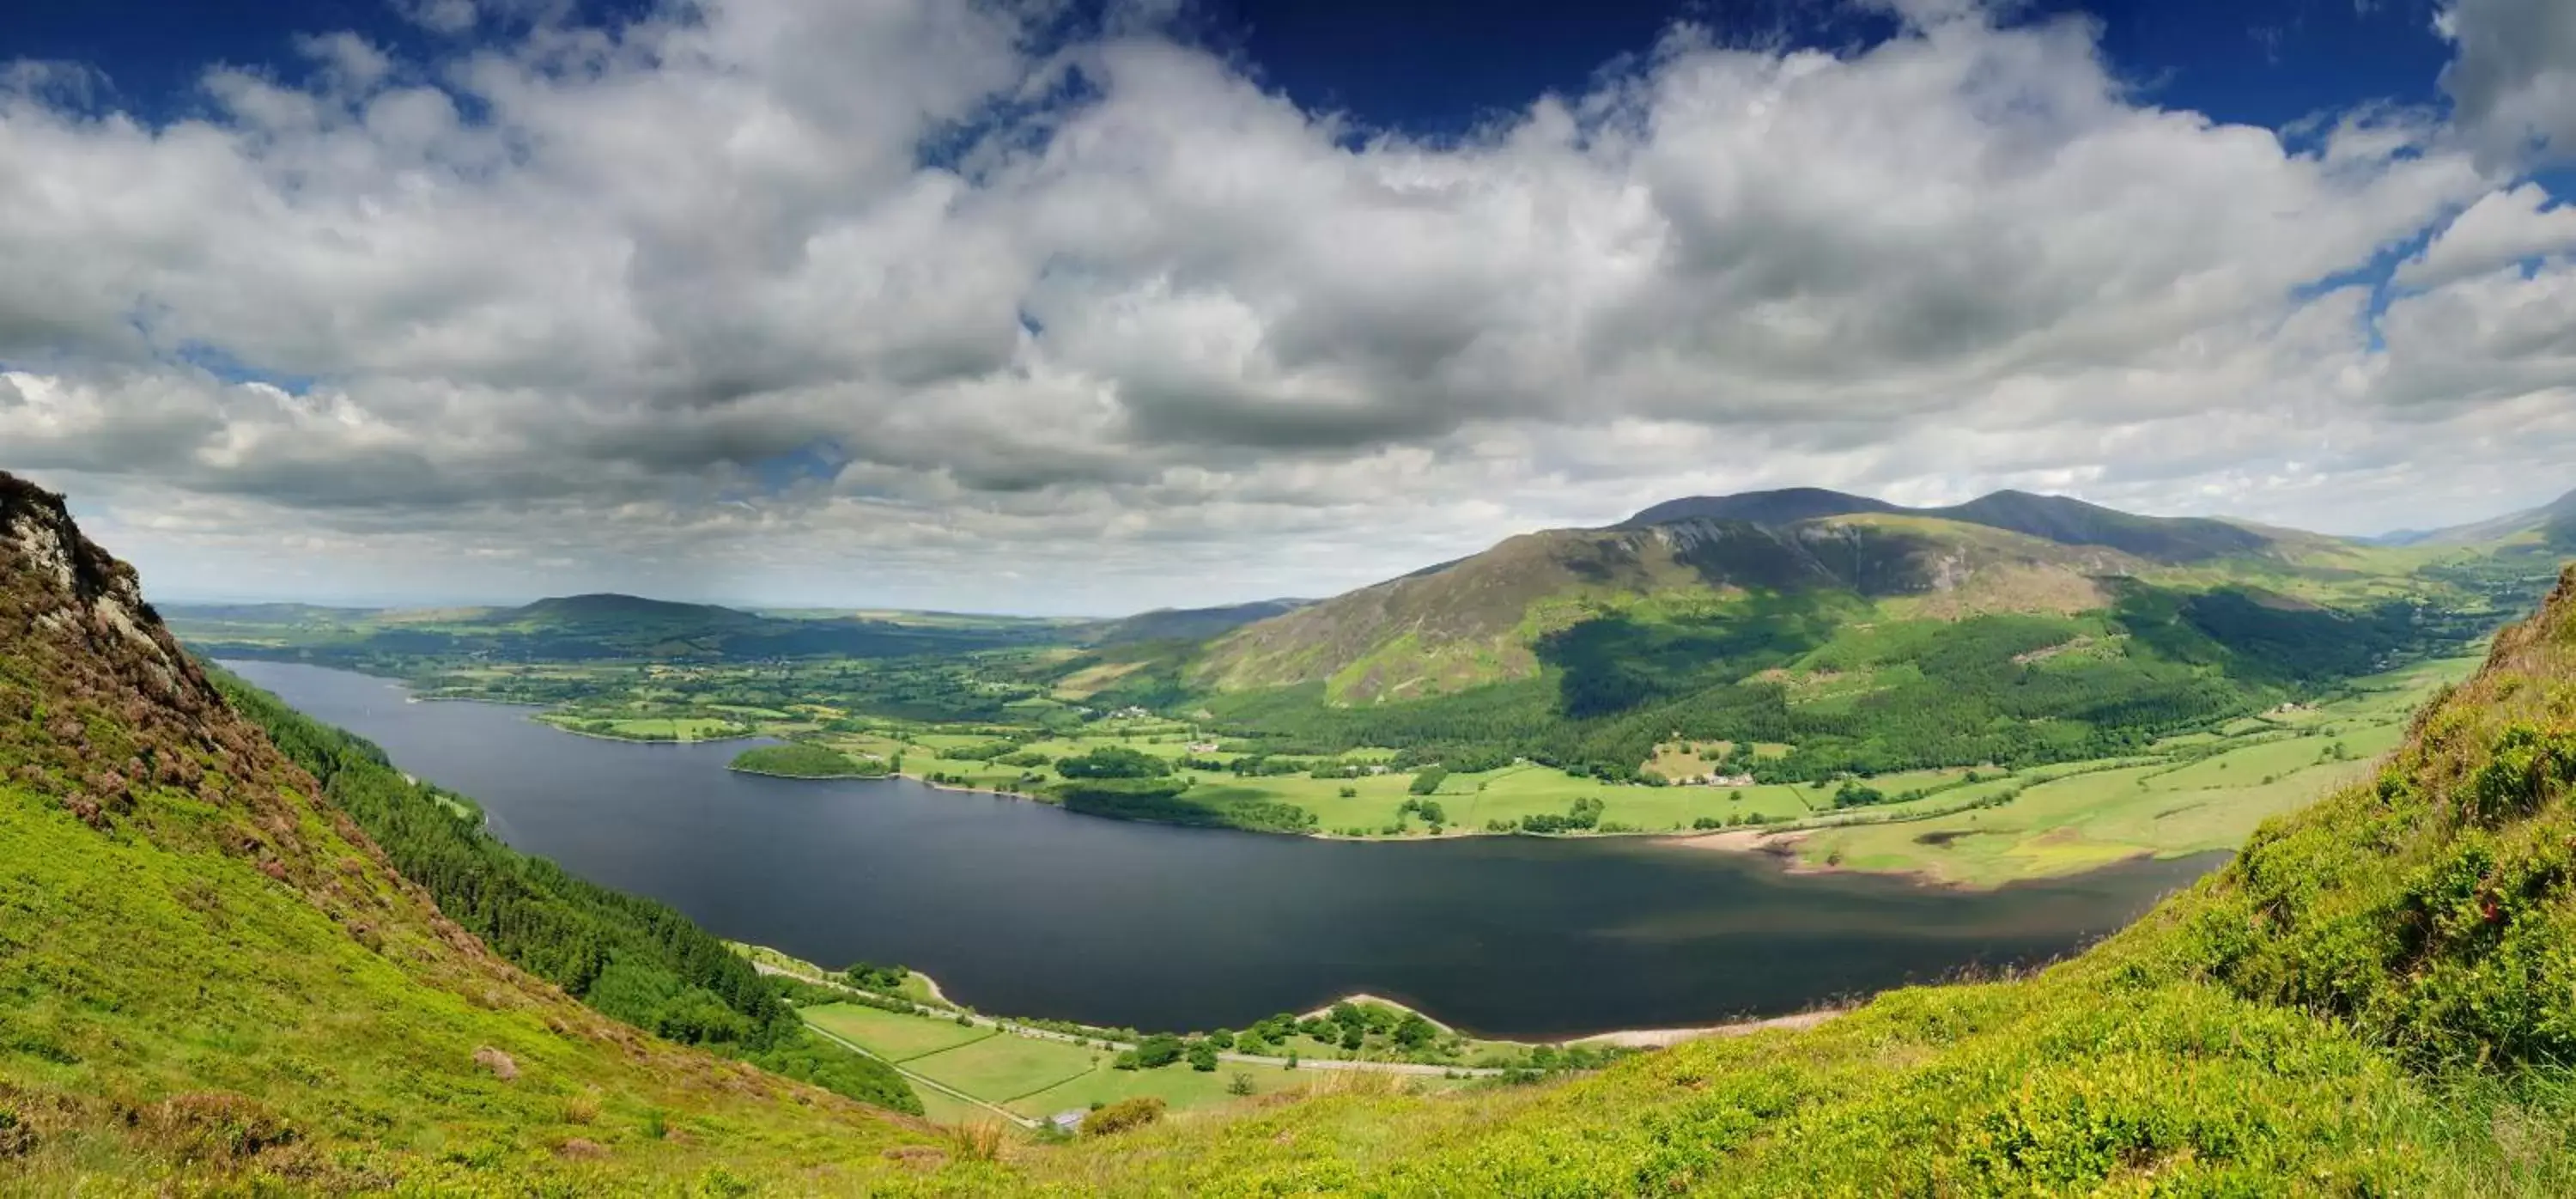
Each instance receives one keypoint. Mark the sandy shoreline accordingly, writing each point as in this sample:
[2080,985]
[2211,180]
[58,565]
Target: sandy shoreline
[1658,1038]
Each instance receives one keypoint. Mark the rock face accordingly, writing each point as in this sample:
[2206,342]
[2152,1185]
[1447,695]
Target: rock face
[99,706]
[80,649]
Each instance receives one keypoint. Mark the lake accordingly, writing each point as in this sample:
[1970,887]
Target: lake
[1021,908]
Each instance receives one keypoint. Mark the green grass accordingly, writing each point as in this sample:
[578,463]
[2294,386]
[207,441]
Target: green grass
[889,1035]
[1038,1077]
[1004,1067]
[1180,1086]
[803,761]
[2082,821]
[137,974]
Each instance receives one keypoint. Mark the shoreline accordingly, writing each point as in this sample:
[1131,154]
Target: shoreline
[1626,1038]
[816,778]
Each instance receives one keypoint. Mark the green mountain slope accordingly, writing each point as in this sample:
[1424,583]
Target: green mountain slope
[1849,560]
[209,970]
[1189,624]
[2048,517]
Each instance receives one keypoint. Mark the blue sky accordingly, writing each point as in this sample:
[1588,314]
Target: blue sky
[1432,65]
[1021,306]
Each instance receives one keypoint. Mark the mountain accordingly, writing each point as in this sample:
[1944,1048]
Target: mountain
[1490,617]
[580,627]
[2055,518]
[1190,624]
[2552,525]
[1785,506]
[622,612]
[207,967]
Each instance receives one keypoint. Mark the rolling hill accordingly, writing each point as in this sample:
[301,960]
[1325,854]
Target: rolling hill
[575,628]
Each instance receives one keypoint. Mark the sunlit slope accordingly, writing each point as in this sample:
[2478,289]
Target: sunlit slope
[2365,1002]
[1841,561]
[207,973]
[1486,618]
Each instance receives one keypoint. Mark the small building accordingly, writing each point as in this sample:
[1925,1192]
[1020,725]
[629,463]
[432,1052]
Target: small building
[1201,747]
[1068,1122]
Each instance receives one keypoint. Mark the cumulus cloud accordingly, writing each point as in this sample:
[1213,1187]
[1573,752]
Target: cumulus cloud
[2504,228]
[2515,78]
[912,301]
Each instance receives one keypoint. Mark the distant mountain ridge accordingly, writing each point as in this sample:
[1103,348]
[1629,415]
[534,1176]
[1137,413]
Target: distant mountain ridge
[2061,519]
[2553,523]
[1487,617]
[1191,624]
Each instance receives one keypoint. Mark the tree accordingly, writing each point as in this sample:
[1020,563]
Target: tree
[1240,1084]
[1113,762]
[1203,1057]
[1158,1051]
[1428,780]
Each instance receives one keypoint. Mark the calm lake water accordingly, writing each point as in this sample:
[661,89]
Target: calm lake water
[1022,908]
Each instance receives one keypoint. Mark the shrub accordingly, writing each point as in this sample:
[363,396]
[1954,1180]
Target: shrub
[1123,1115]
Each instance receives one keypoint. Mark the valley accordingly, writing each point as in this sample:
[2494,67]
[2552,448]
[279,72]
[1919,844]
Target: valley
[2420,896]
[2019,687]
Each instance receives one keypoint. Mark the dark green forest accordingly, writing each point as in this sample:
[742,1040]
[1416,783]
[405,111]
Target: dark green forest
[634,959]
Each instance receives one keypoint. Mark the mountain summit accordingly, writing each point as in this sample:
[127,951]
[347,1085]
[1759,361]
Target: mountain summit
[2062,519]
[1493,616]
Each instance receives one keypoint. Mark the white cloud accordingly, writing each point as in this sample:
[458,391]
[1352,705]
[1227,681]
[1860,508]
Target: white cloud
[2515,78]
[2502,229]
[864,301]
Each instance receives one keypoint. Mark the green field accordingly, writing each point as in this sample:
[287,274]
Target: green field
[1006,1066]
[896,1038]
[1181,1087]
[2208,801]
[660,728]
[1038,1077]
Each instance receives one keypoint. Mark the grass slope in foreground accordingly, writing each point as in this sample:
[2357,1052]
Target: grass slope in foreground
[2370,1001]
[208,973]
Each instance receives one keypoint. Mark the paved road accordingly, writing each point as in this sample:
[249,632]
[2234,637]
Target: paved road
[1048,1034]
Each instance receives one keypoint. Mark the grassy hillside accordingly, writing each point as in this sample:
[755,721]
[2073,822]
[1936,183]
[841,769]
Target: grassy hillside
[209,971]
[632,958]
[1485,619]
